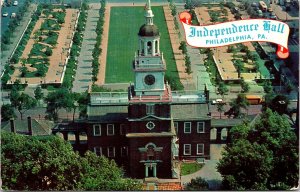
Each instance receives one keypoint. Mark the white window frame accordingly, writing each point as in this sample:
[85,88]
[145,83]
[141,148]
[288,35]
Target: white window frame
[202,146]
[114,152]
[202,126]
[188,123]
[176,127]
[94,128]
[113,129]
[126,151]
[150,109]
[184,148]
[100,150]
[122,129]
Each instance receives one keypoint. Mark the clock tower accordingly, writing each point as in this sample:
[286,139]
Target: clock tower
[151,131]
[149,65]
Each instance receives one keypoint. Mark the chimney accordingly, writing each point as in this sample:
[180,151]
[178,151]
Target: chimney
[29,125]
[12,125]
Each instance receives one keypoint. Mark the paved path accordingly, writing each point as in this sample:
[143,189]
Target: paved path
[5,55]
[209,171]
[83,77]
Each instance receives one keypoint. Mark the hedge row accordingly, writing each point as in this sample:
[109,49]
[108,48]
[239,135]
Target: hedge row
[97,49]
[75,49]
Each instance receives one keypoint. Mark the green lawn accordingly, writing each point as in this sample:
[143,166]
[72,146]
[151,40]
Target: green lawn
[123,43]
[189,168]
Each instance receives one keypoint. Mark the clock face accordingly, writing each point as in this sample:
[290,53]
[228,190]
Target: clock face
[149,79]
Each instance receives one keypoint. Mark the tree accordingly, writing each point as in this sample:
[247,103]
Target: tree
[236,105]
[222,89]
[23,70]
[276,102]
[261,157]
[7,112]
[268,87]
[62,98]
[239,65]
[220,108]
[41,70]
[49,163]
[38,93]
[22,102]
[244,85]
[197,184]
[83,100]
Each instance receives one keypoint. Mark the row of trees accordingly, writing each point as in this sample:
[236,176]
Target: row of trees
[187,59]
[49,163]
[77,40]
[56,100]
[97,49]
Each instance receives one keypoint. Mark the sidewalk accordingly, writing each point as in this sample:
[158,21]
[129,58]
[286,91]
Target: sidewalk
[83,77]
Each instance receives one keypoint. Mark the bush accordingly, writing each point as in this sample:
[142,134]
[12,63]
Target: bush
[198,184]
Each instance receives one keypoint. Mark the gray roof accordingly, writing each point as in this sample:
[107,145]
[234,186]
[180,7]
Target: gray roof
[107,113]
[39,127]
[230,122]
[189,111]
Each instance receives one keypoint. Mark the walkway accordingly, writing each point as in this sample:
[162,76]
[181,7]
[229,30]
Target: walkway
[83,77]
[208,171]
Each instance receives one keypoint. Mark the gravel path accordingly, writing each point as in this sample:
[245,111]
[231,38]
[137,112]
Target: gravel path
[83,77]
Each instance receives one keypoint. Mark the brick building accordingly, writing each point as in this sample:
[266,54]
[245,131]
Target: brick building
[149,128]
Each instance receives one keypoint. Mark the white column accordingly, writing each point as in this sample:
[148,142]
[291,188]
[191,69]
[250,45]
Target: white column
[146,170]
[158,46]
[154,171]
[145,47]
[153,48]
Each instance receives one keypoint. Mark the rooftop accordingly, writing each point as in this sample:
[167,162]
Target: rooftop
[39,127]
[189,111]
[107,113]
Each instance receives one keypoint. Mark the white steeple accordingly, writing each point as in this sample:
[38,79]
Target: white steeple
[149,14]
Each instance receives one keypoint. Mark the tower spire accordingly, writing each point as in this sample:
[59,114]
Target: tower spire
[149,14]
[149,5]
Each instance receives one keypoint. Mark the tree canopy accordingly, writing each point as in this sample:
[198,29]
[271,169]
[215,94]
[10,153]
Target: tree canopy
[197,184]
[263,156]
[49,163]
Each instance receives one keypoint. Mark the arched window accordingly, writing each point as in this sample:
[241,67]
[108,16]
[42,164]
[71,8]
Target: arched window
[213,134]
[82,137]
[149,47]
[71,137]
[224,134]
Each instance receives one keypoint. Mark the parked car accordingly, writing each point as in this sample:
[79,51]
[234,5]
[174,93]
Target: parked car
[13,15]
[213,102]
[15,3]
[5,14]
[270,10]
